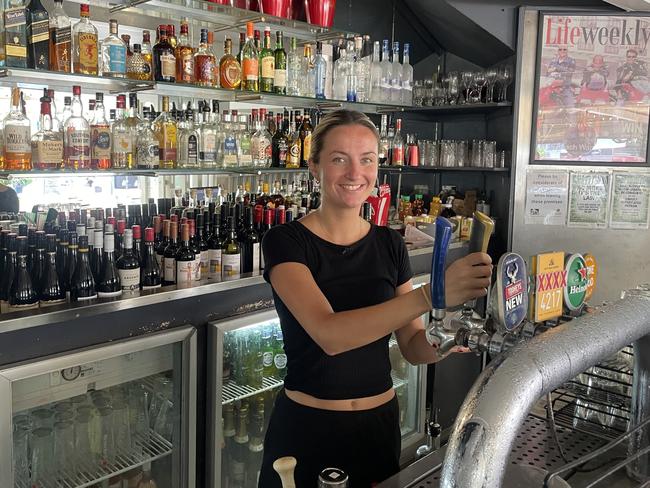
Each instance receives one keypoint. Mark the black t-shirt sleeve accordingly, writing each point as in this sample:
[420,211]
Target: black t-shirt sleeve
[282,244]
[404,272]
[9,200]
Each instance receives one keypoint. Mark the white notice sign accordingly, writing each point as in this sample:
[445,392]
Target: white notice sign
[546,197]
[630,197]
[589,200]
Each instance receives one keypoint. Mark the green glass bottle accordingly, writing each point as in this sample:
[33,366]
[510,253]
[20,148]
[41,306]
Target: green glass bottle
[280,76]
[267,63]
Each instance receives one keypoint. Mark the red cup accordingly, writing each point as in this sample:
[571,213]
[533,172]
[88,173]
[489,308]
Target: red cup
[299,10]
[321,12]
[278,8]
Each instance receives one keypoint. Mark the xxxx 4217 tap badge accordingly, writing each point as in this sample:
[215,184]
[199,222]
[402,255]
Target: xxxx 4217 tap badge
[512,291]
[577,280]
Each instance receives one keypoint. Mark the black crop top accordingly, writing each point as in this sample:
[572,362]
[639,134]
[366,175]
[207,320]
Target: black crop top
[362,274]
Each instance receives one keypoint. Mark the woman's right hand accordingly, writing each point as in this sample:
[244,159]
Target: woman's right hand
[468,278]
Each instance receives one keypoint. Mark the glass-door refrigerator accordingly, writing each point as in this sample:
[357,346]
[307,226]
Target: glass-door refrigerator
[109,416]
[245,374]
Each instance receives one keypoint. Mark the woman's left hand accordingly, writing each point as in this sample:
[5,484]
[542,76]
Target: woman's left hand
[468,278]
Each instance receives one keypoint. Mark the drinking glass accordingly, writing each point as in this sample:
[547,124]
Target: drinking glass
[64,446]
[435,153]
[107,441]
[447,154]
[42,417]
[423,149]
[21,453]
[478,83]
[22,420]
[418,93]
[477,153]
[461,154]
[453,88]
[505,78]
[489,154]
[83,446]
[121,427]
[491,76]
[466,78]
[138,400]
[161,386]
[427,98]
[42,456]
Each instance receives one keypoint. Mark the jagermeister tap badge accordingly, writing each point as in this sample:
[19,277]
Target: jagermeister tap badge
[575,289]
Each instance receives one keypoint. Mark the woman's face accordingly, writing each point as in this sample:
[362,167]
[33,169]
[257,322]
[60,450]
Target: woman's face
[347,169]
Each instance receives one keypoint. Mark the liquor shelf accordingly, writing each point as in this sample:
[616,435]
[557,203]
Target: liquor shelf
[147,448]
[36,79]
[438,169]
[239,171]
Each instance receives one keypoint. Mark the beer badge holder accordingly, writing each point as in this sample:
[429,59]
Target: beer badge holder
[509,300]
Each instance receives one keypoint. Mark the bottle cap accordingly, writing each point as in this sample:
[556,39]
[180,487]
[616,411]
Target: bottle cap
[76,90]
[249,29]
[185,232]
[51,243]
[98,242]
[83,243]
[137,231]
[121,226]
[148,234]
[109,241]
[128,239]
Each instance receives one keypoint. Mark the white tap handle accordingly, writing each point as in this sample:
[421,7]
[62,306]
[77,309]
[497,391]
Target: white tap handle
[285,466]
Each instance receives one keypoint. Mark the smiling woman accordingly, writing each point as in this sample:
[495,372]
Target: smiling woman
[341,286]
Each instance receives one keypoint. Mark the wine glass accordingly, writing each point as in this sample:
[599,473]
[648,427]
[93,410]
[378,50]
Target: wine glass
[478,83]
[453,88]
[466,82]
[505,74]
[491,76]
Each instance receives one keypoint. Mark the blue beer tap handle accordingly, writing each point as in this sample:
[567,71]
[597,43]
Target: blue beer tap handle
[443,236]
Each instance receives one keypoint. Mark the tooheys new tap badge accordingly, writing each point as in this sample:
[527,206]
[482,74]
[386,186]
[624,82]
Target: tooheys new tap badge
[512,291]
[577,281]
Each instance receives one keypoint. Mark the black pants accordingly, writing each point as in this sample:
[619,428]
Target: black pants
[365,444]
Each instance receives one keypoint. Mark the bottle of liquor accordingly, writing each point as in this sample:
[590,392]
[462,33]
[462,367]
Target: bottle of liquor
[71,261]
[138,248]
[407,78]
[384,141]
[280,74]
[100,136]
[229,68]
[229,148]
[307,72]
[127,42]
[188,142]
[60,39]
[250,245]
[17,136]
[149,271]
[295,144]
[77,135]
[137,66]
[184,55]
[267,61]
[386,72]
[207,139]
[294,75]
[108,278]
[361,71]
[215,60]
[250,67]
[231,253]
[164,61]
[306,130]
[47,144]
[122,136]
[62,253]
[14,36]
[67,111]
[202,233]
[128,265]
[147,53]
[170,255]
[184,258]
[22,295]
[36,257]
[113,53]
[119,237]
[320,72]
[83,283]
[244,142]
[97,256]
[215,244]
[280,144]
[340,73]
[147,149]
[396,76]
[38,36]
[162,244]
[240,53]
[375,74]
[85,38]
[196,249]
[261,145]
[51,291]
[165,129]
[204,62]
[9,271]
[397,146]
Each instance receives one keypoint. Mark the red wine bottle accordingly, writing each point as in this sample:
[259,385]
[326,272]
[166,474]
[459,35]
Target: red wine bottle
[202,244]
[97,257]
[250,245]
[38,260]
[51,289]
[128,265]
[149,271]
[22,295]
[71,261]
[9,271]
[108,282]
[62,253]
[196,249]
[138,250]
[83,283]
[185,258]
[169,256]
[215,243]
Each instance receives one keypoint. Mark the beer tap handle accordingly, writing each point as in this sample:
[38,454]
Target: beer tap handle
[440,246]
[482,229]
[285,466]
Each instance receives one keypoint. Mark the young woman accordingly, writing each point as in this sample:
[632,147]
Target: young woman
[341,287]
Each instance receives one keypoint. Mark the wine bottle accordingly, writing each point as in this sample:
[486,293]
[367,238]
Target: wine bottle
[119,237]
[71,261]
[231,253]
[215,243]
[108,282]
[170,255]
[202,244]
[196,249]
[3,250]
[164,242]
[138,250]
[22,295]
[128,265]
[52,292]
[38,260]
[62,253]
[185,258]
[149,271]
[97,257]
[9,271]
[83,283]
[250,245]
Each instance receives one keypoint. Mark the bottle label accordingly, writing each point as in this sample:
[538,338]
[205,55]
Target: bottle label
[47,153]
[192,149]
[168,65]
[208,147]
[267,359]
[78,150]
[280,78]
[293,156]
[268,67]
[152,287]
[170,270]
[15,43]
[184,272]
[214,257]
[87,45]
[160,260]
[205,72]
[15,17]
[280,361]
[250,69]
[306,147]
[187,65]
[205,264]
[196,267]
[397,156]
[230,73]
[283,150]
[101,143]
[40,26]
[130,279]
[230,144]
[84,299]
[51,303]
[230,265]
[62,36]
[167,143]
[256,257]
[147,155]
[260,149]
[109,294]
[122,151]
[117,59]
[17,139]
[18,308]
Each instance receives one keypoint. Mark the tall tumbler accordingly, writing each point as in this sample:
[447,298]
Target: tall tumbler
[64,448]
[639,468]
[321,12]
[21,454]
[107,439]
[42,456]
[121,427]
[85,455]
